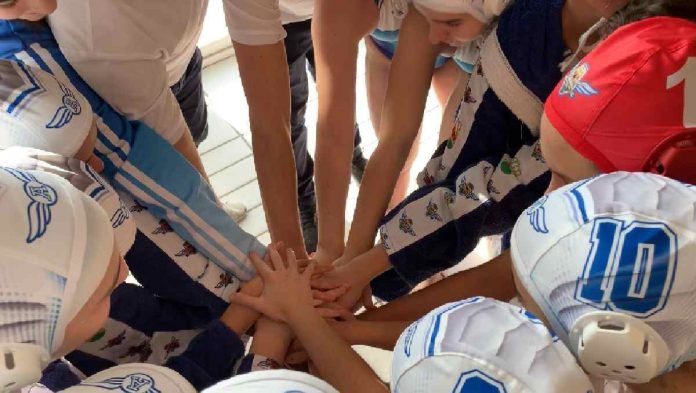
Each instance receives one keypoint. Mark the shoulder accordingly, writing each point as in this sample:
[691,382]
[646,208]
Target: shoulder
[530,35]
[254,22]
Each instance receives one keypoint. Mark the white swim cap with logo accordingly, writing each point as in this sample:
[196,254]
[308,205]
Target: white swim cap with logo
[273,381]
[483,345]
[483,10]
[39,111]
[136,378]
[55,247]
[85,179]
[611,263]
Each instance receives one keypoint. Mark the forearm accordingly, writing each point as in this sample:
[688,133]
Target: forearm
[264,73]
[409,82]
[239,319]
[379,180]
[379,334]
[337,363]
[275,167]
[337,28]
[187,148]
[492,279]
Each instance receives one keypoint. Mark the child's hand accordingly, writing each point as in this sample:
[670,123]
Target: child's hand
[285,289]
[348,283]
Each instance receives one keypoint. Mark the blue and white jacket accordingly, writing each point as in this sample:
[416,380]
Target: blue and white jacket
[482,178]
[140,162]
[186,339]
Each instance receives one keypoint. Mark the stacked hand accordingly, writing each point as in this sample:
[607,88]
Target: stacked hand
[286,288]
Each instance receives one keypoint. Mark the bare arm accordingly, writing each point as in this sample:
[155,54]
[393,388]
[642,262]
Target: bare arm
[287,297]
[409,82]
[379,334]
[336,361]
[264,72]
[492,279]
[337,28]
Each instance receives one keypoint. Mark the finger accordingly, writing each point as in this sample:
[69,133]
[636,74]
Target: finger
[267,257]
[323,268]
[279,246]
[332,294]
[251,302]
[261,267]
[320,297]
[332,310]
[302,263]
[276,260]
[325,283]
[317,302]
[307,274]
[292,260]
[367,298]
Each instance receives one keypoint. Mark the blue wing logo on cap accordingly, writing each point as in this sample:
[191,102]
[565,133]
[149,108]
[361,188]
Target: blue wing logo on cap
[573,83]
[64,114]
[133,383]
[42,197]
[537,215]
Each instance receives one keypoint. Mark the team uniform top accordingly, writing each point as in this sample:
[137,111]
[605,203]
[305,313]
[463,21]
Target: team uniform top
[133,71]
[491,168]
[260,22]
[137,160]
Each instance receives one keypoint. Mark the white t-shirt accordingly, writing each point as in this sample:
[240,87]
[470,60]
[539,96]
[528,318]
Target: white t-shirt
[260,22]
[131,52]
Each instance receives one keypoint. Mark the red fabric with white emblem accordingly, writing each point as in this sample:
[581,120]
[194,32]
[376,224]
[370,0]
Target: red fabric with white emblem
[630,105]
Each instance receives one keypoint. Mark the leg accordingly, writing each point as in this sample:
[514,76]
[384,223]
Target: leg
[189,94]
[297,44]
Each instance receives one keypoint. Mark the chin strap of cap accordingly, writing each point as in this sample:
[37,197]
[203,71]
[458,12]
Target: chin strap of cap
[21,365]
[618,347]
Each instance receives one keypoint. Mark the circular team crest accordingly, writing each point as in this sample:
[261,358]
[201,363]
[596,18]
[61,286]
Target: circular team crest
[41,193]
[71,103]
[133,383]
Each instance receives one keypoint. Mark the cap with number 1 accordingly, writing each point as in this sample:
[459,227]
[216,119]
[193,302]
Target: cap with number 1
[630,105]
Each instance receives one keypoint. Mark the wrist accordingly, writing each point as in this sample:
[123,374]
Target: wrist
[239,319]
[371,264]
[297,317]
[328,251]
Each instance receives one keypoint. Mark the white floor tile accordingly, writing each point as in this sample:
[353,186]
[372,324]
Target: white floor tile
[219,132]
[255,222]
[233,177]
[249,195]
[223,156]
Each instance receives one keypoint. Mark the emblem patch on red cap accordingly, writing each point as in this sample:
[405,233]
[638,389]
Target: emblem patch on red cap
[573,83]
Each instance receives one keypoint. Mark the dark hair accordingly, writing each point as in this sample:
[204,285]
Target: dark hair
[637,10]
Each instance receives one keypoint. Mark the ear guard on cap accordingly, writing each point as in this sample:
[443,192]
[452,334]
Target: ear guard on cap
[619,347]
[675,158]
[21,365]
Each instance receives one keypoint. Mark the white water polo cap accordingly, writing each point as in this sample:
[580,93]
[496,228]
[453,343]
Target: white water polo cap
[55,248]
[37,110]
[611,262]
[85,179]
[135,378]
[480,345]
[483,10]
[273,381]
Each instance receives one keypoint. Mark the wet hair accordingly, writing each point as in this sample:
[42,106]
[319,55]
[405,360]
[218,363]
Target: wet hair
[637,10]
